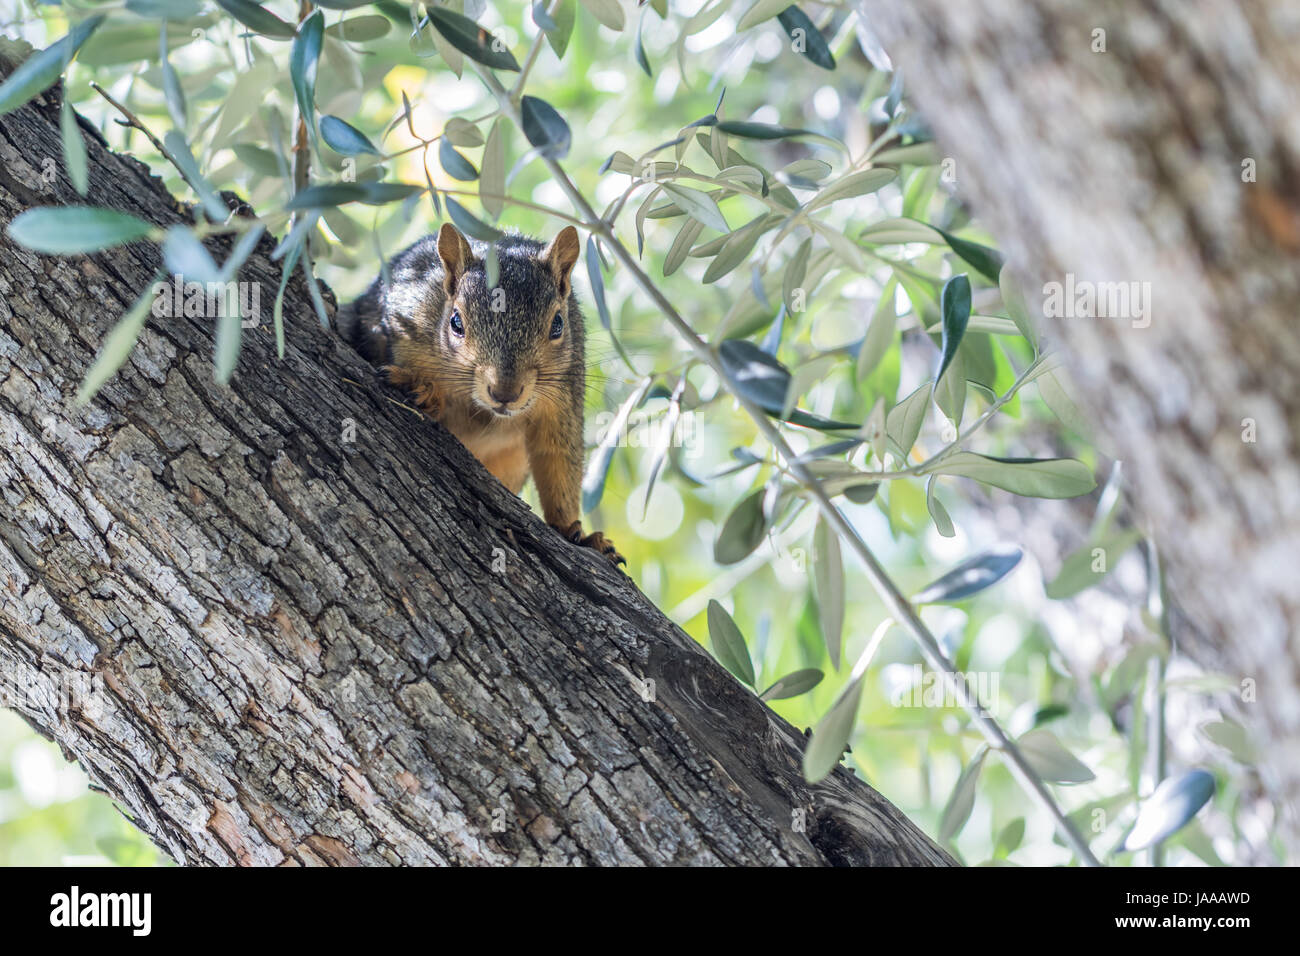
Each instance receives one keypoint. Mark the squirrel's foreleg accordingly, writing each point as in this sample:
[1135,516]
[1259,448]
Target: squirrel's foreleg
[555,455]
[427,396]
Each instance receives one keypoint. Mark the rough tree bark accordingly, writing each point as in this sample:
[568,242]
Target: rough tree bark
[273,643]
[1169,158]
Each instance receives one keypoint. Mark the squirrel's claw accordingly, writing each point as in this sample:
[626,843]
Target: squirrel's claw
[596,541]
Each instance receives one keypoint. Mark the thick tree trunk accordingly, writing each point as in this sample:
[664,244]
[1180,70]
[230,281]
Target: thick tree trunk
[287,621]
[1169,158]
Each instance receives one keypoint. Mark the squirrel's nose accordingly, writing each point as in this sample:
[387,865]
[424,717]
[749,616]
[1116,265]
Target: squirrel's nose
[504,394]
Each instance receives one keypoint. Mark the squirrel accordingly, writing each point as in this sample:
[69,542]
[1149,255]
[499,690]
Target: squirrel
[502,368]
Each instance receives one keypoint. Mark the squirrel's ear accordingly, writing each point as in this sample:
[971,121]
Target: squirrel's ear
[560,256]
[455,253]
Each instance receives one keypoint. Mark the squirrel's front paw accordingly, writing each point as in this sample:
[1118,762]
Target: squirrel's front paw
[596,541]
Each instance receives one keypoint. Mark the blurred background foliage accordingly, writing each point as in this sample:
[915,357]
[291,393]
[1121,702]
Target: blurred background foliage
[1085,665]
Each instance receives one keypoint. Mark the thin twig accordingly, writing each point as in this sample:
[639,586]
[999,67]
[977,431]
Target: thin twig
[136,123]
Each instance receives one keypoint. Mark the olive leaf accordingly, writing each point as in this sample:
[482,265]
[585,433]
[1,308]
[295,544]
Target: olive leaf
[1171,807]
[39,71]
[971,576]
[345,138]
[793,684]
[743,531]
[545,128]
[729,644]
[1031,477]
[471,39]
[807,38]
[257,19]
[1051,760]
[64,230]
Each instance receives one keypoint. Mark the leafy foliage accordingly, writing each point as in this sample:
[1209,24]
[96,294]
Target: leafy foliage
[763,167]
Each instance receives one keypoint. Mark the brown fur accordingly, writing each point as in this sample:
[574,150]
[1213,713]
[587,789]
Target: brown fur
[505,359]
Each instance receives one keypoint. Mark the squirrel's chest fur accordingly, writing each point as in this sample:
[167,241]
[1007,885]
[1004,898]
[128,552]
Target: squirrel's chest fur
[486,437]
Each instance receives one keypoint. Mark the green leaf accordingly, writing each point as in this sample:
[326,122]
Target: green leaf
[698,205]
[806,37]
[360,29]
[179,151]
[1031,477]
[116,346]
[1232,737]
[880,332]
[743,531]
[597,280]
[1080,570]
[682,244]
[565,15]
[1009,839]
[829,737]
[326,194]
[853,185]
[471,39]
[987,262]
[184,255]
[169,9]
[889,232]
[969,577]
[962,800]
[545,128]
[955,308]
[257,19]
[345,138]
[942,521]
[795,271]
[593,479]
[64,230]
[230,332]
[1050,760]
[39,71]
[608,12]
[470,224]
[641,59]
[172,90]
[303,63]
[543,19]
[1056,397]
[793,684]
[462,133]
[456,165]
[729,644]
[1017,311]
[760,12]
[758,376]
[828,583]
[904,421]
[1171,807]
[492,177]
[747,130]
[379,194]
[74,148]
[736,249]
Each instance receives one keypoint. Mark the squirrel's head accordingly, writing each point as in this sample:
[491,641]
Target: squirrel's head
[510,346]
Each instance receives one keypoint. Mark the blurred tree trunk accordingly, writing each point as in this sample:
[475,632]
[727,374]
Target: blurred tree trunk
[1156,142]
[287,621]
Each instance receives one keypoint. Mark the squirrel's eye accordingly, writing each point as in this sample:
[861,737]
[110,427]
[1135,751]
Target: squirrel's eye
[557,326]
[457,324]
